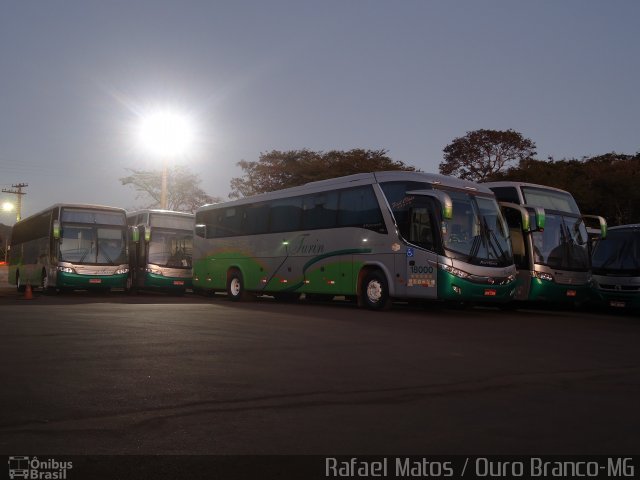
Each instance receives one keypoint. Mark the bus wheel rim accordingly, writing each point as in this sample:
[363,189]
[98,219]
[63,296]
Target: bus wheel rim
[235,287]
[374,291]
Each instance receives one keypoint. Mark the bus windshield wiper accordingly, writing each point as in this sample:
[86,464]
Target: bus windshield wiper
[491,235]
[475,247]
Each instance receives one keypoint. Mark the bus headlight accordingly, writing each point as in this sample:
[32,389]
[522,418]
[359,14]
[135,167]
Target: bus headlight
[542,276]
[66,270]
[154,271]
[120,271]
[454,271]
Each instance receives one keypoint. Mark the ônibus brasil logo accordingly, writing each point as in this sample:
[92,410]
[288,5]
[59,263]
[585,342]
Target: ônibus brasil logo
[33,468]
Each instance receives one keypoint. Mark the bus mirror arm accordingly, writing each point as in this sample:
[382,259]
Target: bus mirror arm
[601,221]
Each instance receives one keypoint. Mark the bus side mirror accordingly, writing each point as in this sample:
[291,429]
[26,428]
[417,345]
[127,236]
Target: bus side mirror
[443,198]
[201,230]
[541,218]
[56,229]
[135,235]
[601,222]
[447,208]
[147,234]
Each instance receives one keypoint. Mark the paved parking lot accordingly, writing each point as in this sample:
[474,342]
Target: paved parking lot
[112,373]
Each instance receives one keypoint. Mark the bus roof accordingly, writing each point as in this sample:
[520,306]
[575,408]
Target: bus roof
[523,184]
[74,205]
[160,212]
[361,179]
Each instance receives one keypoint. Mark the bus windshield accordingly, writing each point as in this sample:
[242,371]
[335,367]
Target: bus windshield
[477,231]
[619,253]
[90,244]
[562,244]
[550,199]
[171,248]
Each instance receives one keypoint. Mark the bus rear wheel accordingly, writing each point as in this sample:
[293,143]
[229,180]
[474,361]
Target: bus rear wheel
[21,288]
[235,286]
[375,291]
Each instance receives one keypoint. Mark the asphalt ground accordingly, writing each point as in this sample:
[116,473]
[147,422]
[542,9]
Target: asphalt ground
[87,373]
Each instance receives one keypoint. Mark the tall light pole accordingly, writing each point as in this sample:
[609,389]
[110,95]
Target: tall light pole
[7,207]
[19,193]
[165,134]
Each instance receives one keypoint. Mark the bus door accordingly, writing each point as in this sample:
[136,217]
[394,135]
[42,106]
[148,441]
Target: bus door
[521,222]
[417,264]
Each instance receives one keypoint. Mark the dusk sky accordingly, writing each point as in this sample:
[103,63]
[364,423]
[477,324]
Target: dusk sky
[406,76]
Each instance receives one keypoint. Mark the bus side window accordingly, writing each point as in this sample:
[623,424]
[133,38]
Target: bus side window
[285,215]
[320,211]
[507,194]
[359,208]
[256,219]
[421,231]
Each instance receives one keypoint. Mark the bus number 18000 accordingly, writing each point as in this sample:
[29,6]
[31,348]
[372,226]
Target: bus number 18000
[421,269]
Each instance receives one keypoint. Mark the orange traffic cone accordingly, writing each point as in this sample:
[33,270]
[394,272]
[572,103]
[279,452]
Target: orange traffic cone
[28,294]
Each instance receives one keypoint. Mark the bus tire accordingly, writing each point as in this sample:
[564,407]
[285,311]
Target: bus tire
[129,286]
[375,291]
[44,283]
[19,287]
[235,286]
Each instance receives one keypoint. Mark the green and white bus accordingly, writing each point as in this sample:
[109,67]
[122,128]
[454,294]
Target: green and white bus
[162,248]
[551,247]
[616,268]
[372,237]
[70,246]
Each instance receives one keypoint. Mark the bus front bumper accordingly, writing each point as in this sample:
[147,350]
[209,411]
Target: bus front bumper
[550,291]
[617,300]
[451,287]
[152,280]
[82,282]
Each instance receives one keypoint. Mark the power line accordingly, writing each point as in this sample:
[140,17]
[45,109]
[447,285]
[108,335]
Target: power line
[18,193]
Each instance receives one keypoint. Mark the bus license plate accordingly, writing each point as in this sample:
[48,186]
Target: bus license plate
[95,280]
[617,304]
[490,292]
[178,282]
[571,293]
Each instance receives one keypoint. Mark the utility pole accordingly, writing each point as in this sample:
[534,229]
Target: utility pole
[18,193]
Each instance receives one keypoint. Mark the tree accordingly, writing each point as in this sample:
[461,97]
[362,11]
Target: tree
[183,188]
[275,170]
[481,153]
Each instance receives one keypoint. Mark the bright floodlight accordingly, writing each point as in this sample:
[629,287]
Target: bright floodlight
[165,133]
[7,207]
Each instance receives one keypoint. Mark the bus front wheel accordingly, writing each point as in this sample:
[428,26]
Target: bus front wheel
[235,286]
[375,291]
[44,283]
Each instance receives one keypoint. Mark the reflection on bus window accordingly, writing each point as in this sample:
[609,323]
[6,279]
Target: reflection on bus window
[91,245]
[171,248]
[562,243]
